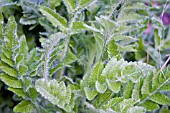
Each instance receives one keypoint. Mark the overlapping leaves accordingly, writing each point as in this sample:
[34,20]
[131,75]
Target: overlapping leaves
[113,84]
[57,93]
[140,86]
[113,75]
[13,63]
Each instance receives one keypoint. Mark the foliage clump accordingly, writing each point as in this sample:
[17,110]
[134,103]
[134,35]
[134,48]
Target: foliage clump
[79,61]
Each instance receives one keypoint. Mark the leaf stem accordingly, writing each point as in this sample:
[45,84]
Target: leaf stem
[141,102]
[163,66]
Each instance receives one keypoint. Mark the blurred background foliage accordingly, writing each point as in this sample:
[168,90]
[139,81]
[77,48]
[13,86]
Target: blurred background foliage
[153,37]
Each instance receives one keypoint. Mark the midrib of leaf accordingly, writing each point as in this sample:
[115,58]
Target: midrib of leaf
[69,34]
[48,51]
[73,19]
[47,58]
[154,92]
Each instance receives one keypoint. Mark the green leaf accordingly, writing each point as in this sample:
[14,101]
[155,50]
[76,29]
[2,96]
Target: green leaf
[127,48]
[157,38]
[137,6]
[33,94]
[7,52]
[17,91]
[1,31]
[165,88]
[27,83]
[10,32]
[89,81]
[70,5]
[120,43]
[128,90]
[85,2]
[54,18]
[113,86]
[8,70]
[90,93]
[91,28]
[155,83]
[123,29]
[99,45]
[101,88]
[24,106]
[161,99]
[10,81]
[96,72]
[126,104]
[70,58]
[68,94]
[112,102]
[113,50]
[132,72]
[109,67]
[23,70]
[30,13]
[78,26]
[140,49]
[108,24]
[164,109]
[32,55]
[23,49]
[150,106]
[40,86]
[102,99]
[54,3]
[25,20]
[19,59]
[145,68]
[57,93]
[136,92]
[7,60]
[131,17]
[34,61]
[146,87]
[1,26]
[123,40]
[40,109]
[136,109]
